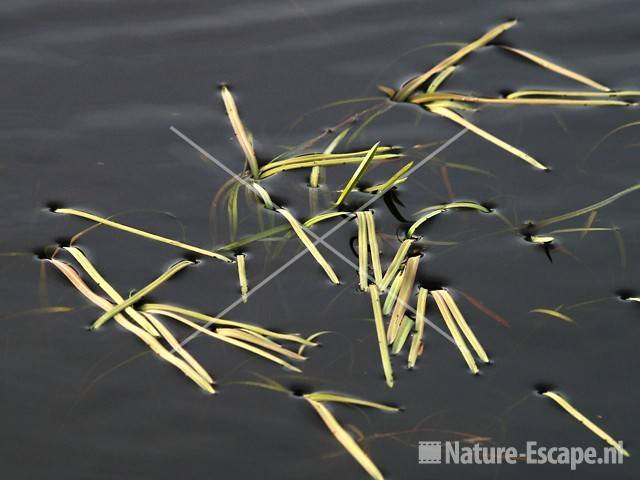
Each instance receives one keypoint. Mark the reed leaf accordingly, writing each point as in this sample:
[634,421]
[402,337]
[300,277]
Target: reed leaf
[314,178]
[373,247]
[417,341]
[412,85]
[357,175]
[553,313]
[408,279]
[585,421]
[345,439]
[297,228]
[340,398]
[570,93]
[427,98]
[394,180]
[403,334]
[455,333]
[151,236]
[363,273]
[589,223]
[238,128]
[141,293]
[382,342]
[394,266]
[264,195]
[232,211]
[242,276]
[260,341]
[454,117]
[412,229]
[392,294]
[464,327]
[448,206]
[440,78]
[557,68]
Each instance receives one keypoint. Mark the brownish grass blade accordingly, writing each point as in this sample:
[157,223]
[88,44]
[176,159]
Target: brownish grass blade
[400,308]
[238,128]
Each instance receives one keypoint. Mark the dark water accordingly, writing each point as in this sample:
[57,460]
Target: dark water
[89,92]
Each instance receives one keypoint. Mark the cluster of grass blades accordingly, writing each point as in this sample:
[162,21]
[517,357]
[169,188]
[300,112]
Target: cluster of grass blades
[145,324]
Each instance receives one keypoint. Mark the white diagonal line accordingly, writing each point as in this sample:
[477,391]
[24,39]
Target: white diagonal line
[318,239]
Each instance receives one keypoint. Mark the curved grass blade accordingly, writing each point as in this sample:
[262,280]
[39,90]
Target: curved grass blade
[417,341]
[152,236]
[357,175]
[448,206]
[569,93]
[589,223]
[403,334]
[241,134]
[454,117]
[161,308]
[408,279]
[590,208]
[297,228]
[345,439]
[412,229]
[412,85]
[242,276]
[455,333]
[340,398]
[363,273]
[462,324]
[395,263]
[373,247]
[553,313]
[311,338]
[264,195]
[441,77]
[585,421]
[109,290]
[382,342]
[330,162]
[141,293]
[557,68]
[395,179]
[232,211]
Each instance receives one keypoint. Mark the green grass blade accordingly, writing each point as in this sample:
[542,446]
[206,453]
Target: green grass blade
[403,334]
[392,294]
[395,179]
[363,272]
[395,263]
[340,398]
[382,341]
[357,175]
[440,78]
[397,316]
[373,247]
[417,341]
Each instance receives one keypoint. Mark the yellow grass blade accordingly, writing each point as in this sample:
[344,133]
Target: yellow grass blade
[558,69]
[441,77]
[373,247]
[126,228]
[309,244]
[382,342]
[448,206]
[345,439]
[569,93]
[238,128]
[408,279]
[412,229]
[412,85]
[109,290]
[454,117]
[455,333]
[230,340]
[151,341]
[259,340]
[417,342]
[395,179]
[392,294]
[428,99]
[395,263]
[311,338]
[242,276]
[340,398]
[161,308]
[462,324]
[357,175]
[553,313]
[585,421]
[141,293]
[363,273]
[590,208]
[264,195]
[403,334]
[314,178]
[541,239]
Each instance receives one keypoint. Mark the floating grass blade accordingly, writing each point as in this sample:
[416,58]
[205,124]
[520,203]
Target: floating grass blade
[152,236]
[589,223]
[259,340]
[540,239]
[373,247]
[553,313]
[382,341]
[340,398]
[345,439]
[230,340]
[455,333]
[585,421]
[412,85]
[590,208]
[441,77]
[314,178]
[242,276]
[454,117]
[357,175]
[392,294]
[569,93]
[178,348]
[403,334]
[241,134]
[109,290]
[312,337]
[395,179]
[161,308]
[408,279]
[462,324]
[394,266]
[363,273]
[264,195]
[151,341]
[557,69]
[412,229]
[417,341]
[141,293]
[309,244]
[427,99]
[448,206]
[232,211]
